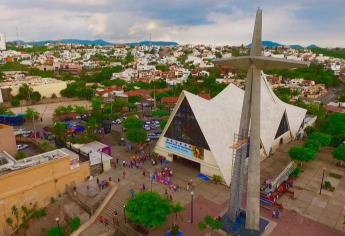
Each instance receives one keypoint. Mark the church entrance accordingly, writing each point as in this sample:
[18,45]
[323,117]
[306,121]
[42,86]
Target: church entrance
[186,162]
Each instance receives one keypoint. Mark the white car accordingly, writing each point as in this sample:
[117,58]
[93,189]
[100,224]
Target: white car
[22,146]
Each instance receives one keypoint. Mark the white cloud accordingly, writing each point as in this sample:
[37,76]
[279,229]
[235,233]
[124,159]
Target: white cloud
[115,21]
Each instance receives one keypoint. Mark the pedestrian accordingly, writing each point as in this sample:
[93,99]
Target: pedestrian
[118,180]
[131,191]
[144,173]
[123,163]
[97,180]
[110,179]
[171,198]
[106,222]
[273,214]
[117,161]
[277,213]
[101,219]
[124,174]
[188,186]
[144,188]
[116,219]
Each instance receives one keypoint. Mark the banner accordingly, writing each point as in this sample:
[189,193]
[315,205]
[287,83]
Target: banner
[184,149]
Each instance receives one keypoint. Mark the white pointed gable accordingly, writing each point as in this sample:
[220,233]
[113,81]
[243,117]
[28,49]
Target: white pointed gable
[219,119]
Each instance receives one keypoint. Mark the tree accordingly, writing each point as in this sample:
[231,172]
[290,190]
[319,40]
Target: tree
[80,110]
[132,122]
[136,135]
[74,224]
[31,114]
[5,111]
[177,208]
[56,231]
[313,144]
[96,104]
[35,96]
[210,224]
[302,154]
[162,67]
[15,102]
[339,153]
[63,110]
[159,113]
[162,124]
[91,125]
[20,155]
[59,130]
[24,92]
[148,209]
[322,138]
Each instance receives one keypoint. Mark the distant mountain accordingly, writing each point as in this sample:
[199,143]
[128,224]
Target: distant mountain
[97,42]
[295,46]
[311,46]
[271,44]
[154,43]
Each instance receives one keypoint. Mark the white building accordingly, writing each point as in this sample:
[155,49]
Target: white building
[201,131]
[2,42]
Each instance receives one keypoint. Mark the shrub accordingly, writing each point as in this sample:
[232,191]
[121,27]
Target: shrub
[309,130]
[74,224]
[313,144]
[20,155]
[322,138]
[56,231]
[216,179]
[296,172]
[39,213]
[15,102]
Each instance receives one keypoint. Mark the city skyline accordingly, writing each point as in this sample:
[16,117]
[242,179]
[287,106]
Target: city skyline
[224,22]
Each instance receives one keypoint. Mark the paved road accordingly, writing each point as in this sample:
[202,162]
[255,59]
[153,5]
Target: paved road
[331,95]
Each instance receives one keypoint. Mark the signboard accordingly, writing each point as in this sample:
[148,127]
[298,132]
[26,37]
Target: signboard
[184,149]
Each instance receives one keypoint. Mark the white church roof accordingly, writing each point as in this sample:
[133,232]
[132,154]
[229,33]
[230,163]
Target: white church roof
[219,119]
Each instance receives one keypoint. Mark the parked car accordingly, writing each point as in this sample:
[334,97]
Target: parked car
[22,146]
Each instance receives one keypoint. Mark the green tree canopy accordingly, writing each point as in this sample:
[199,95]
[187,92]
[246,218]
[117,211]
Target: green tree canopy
[80,110]
[210,223]
[302,154]
[136,135]
[132,122]
[148,209]
[339,153]
[322,138]
[63,110]
[30,114]
[59,130]
[159,113]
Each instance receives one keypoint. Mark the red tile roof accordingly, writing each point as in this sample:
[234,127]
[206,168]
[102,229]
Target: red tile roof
[169,100]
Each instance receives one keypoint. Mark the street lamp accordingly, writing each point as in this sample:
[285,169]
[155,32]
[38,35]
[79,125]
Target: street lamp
[323,176]
[58,225]
[151,179]
[191,207]
[124,213]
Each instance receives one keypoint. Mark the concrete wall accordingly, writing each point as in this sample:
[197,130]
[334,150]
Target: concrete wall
[7,140]
[46,90]
[208,165]
[37,184]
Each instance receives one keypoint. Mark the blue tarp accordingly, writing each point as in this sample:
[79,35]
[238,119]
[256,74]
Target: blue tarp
[203,177]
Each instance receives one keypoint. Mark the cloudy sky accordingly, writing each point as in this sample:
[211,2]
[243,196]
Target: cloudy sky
[304,22]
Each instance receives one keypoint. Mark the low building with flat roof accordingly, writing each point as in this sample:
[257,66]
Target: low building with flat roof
[7,139]
[35,180]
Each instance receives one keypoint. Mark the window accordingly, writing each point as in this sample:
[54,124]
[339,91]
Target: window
[283,126]
[185,128]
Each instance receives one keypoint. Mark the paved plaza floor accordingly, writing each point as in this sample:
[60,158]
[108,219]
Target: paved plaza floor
[308,214]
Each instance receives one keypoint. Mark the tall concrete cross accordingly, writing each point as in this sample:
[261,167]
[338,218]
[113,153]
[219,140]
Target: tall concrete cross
[250,124]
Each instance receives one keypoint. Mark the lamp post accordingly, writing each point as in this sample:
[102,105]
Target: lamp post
[102,162]
[151,179]
[323,176]
[124,213]
[191,207]
[58,225]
